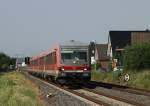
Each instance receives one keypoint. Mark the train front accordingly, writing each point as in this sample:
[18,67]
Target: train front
[74,61]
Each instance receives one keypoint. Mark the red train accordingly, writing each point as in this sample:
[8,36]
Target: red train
[66,61]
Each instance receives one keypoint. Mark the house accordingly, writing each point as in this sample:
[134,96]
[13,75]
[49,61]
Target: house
[20,61]
[101,56]
[99,53]
[118,40]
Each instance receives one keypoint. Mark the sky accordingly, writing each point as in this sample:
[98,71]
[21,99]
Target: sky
[28,27]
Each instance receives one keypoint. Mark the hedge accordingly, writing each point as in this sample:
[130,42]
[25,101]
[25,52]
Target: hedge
[137,56]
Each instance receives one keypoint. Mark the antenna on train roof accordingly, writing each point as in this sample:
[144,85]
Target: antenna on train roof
[72,40]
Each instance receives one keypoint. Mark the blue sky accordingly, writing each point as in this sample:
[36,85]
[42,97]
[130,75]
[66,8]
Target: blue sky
[28,27]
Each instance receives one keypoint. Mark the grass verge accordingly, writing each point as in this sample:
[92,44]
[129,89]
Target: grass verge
[137,79]
[15,90]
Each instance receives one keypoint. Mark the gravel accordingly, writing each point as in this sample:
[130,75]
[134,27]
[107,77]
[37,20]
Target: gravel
[145,100]
[54,97]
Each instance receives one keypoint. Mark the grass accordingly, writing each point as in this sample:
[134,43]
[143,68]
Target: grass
[140,79]
[106,77]
[137,79]
[15,90]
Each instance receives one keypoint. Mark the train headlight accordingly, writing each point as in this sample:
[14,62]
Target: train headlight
[62,69]
[85,69]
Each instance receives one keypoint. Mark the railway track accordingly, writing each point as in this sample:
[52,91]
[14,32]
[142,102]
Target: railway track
[121,88]
[91,96]
[87,99]
[128,101]
[134,96]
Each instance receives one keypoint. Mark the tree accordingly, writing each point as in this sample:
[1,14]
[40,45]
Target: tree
[5,61]
[137,56]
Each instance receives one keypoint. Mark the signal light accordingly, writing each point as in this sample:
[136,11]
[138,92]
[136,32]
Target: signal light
[27,60]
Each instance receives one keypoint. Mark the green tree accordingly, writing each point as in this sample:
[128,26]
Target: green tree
[137,56]
[5,61]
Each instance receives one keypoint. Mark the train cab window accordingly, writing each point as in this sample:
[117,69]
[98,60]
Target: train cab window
[66,55]
[71,57]
[81,55]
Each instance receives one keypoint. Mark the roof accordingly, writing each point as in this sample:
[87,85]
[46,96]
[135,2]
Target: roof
[102,51]
[120,39]
[147,30]
[73,43]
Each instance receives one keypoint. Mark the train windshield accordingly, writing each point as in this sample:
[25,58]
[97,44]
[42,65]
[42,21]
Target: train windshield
[74,57]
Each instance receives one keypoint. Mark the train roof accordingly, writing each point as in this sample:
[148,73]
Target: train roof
[66,44]
[73,43]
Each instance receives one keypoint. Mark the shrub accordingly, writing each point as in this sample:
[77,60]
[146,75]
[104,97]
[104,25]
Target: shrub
[137,56]
[5,61]
[97,65]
